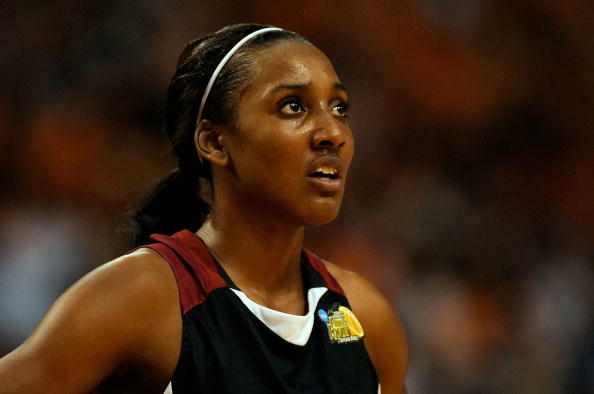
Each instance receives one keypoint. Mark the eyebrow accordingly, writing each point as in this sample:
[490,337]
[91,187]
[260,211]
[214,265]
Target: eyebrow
[302,86]
[297,86]
[340,86]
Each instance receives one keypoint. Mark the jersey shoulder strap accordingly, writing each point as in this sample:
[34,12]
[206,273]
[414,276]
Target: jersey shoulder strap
[195,271]
[317,263]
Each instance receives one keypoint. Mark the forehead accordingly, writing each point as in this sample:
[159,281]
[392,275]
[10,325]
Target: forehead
[290,62]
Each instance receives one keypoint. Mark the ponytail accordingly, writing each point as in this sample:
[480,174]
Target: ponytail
[172,205]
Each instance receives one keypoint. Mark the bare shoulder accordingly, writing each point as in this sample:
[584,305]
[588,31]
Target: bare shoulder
[138,285]
[385,339]
[355,286]
[105,323]
[138,276]
[365,298]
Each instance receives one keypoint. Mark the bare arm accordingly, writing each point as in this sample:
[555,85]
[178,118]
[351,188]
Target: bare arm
[385,340]
[104,323]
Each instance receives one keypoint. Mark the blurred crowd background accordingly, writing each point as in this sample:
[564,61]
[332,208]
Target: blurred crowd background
[471,197]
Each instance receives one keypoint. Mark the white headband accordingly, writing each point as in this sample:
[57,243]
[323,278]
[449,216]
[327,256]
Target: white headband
[222,63]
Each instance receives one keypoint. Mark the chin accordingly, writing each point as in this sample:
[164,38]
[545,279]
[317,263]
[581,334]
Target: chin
[322,215]
[321,222]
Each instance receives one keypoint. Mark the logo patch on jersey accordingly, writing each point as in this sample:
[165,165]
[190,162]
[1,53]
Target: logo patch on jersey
[343,325]
[323,315]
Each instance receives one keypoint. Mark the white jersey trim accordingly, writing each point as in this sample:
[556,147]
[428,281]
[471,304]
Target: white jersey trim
[295,329]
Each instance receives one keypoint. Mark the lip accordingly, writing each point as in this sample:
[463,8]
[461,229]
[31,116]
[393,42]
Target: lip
[325,185]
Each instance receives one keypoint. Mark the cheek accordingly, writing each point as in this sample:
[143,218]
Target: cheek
[348,151]
[270,159]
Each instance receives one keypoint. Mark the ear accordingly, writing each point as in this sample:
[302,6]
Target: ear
[209,142]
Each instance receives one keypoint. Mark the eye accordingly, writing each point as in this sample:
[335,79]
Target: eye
[290,106]
[341,109]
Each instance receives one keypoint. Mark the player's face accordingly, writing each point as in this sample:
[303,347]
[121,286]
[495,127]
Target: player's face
[291,147]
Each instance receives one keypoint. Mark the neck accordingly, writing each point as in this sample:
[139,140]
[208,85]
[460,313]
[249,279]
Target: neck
[260,255]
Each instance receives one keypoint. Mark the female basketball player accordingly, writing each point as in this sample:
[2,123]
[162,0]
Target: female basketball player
[228,301]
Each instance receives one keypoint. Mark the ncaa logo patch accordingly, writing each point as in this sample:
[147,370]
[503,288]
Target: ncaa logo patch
[343,326]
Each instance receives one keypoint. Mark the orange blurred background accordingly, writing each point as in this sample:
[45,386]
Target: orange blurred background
[471,198]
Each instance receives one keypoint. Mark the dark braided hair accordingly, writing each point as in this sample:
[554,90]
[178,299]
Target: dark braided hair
[179,201]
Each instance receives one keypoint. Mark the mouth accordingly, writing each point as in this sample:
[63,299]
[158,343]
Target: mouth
[325,172]
[325,175]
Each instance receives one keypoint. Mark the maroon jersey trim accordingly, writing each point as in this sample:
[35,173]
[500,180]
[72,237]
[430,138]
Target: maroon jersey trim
[194,269]
[190,292]
[318,264]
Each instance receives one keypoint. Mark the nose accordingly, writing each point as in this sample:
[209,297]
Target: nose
[330,133]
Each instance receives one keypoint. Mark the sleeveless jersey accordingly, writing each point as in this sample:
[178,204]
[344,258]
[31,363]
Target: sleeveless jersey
[230,344]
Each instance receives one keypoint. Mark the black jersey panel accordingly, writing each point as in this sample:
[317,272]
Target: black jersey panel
[228,350]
